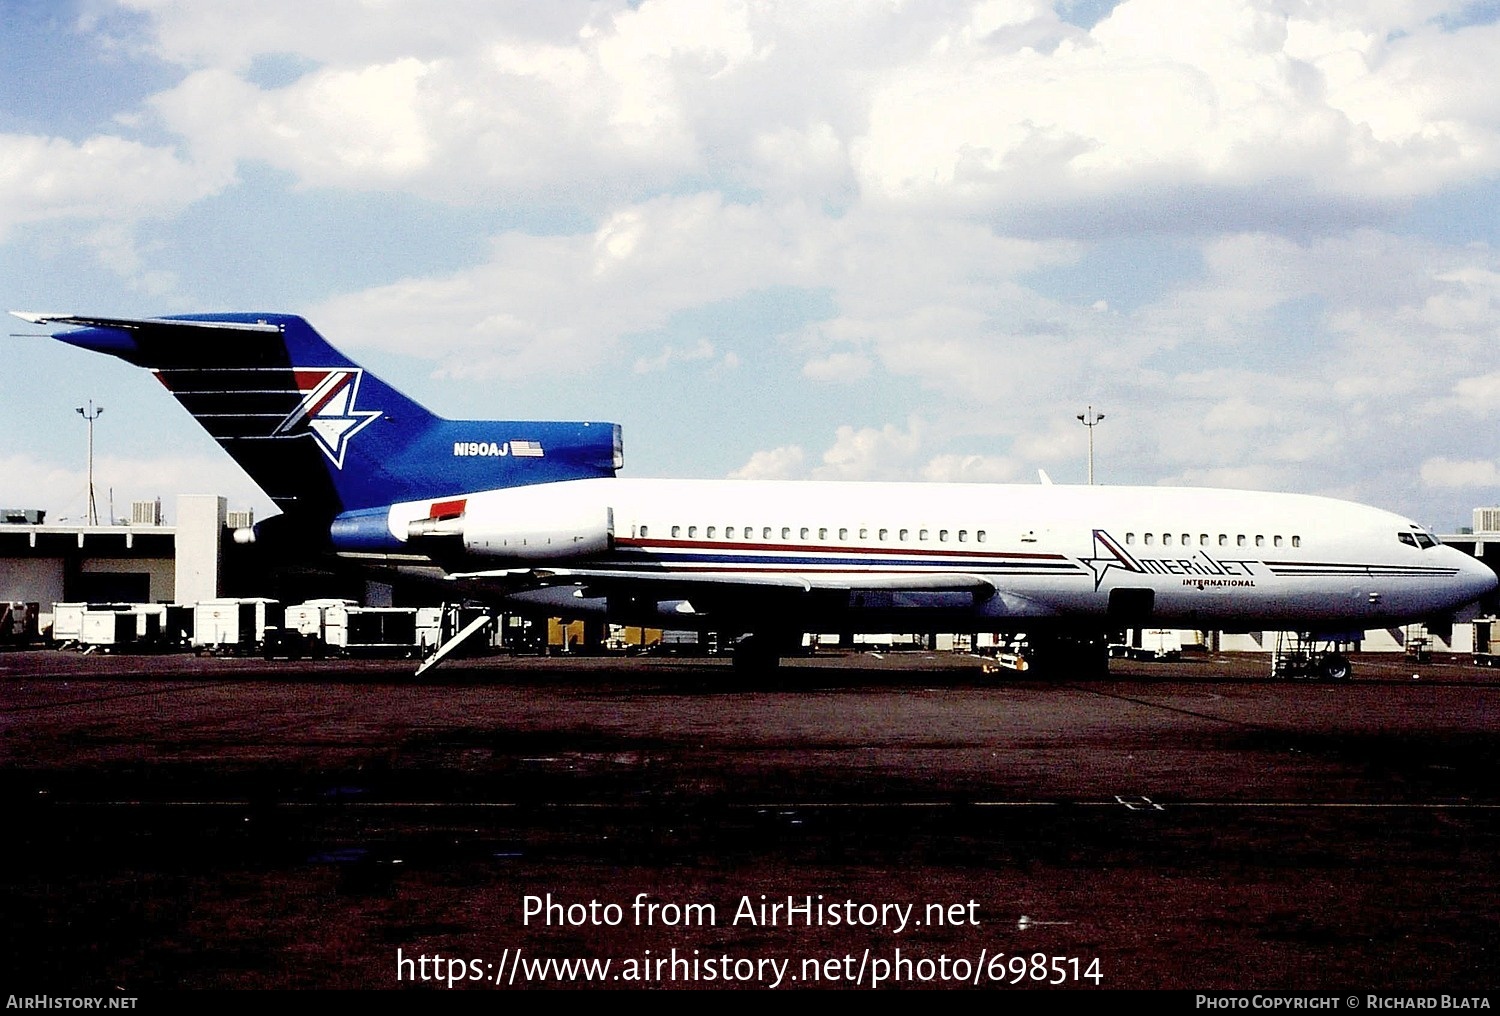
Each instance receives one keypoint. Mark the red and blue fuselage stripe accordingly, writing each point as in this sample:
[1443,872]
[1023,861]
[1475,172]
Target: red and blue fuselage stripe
[722,555]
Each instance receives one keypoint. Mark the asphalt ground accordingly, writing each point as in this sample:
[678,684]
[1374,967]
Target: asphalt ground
[175,822]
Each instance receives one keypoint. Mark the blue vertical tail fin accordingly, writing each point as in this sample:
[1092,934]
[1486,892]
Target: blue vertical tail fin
[320,434]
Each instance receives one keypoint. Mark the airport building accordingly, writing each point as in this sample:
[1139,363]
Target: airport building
[146,561]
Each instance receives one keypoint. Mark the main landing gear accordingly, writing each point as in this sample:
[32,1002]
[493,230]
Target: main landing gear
[761,652]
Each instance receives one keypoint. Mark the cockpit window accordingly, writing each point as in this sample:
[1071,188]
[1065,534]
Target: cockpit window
[1407,538]
[1418,538]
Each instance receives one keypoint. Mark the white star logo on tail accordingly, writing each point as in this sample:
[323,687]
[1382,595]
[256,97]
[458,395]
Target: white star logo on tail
[326,412]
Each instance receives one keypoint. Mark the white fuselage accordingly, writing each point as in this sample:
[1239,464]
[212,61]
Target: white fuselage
[1002,556]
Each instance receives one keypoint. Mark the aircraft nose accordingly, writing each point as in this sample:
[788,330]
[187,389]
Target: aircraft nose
[1475,578]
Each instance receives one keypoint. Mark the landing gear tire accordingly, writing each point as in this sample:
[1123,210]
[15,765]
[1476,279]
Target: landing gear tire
[1335,667]
[756,654]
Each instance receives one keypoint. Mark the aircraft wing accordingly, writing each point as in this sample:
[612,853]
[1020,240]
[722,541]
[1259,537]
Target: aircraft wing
[735,593]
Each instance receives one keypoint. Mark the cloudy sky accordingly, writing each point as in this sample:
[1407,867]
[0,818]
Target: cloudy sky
[864,240]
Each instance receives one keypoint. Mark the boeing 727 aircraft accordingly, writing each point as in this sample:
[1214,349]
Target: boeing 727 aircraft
[531,515]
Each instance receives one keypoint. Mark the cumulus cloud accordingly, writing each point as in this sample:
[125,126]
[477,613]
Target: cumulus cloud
[543,304]
[970,469]
[878,453]
[1322,98]
[984,106]
[870,453]
[1479,395]
[360,127]
[547,107]
[857,453]
[1441,472]
[100,192]
[784,463]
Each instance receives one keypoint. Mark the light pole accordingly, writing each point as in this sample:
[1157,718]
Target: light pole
[1090,419]
[91,415]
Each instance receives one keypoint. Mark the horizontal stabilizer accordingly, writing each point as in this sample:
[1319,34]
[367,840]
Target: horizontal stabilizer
[86,321]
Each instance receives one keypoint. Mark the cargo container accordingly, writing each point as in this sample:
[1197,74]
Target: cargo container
[67,619]
[231,625]
[340,627]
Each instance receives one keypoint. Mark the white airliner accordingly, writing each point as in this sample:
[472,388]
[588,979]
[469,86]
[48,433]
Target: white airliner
[532,515]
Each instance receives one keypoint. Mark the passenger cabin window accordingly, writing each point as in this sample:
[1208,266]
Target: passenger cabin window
[943,535]
[1202,539]
[823,532]
[676,531]
[1148,538]
[1276,541]
[904,534]
[802,533]
[765,532]
[643,532]
[1129,538]
[1223,540]
[864,533]
[1260,541]
[711,531]
[786,532]
[1296,541]
[963,536]
[1166,539]
[1239,541]
[843,534]
[980,536]
[922,534]
[692,531]
[884,533]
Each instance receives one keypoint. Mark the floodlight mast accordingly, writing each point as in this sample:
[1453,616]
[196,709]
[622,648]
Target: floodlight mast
[91,415]
[1090,419]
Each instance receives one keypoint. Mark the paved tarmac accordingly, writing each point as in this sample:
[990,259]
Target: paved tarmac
[205,823]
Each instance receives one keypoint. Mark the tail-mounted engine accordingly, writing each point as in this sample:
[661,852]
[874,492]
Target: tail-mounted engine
[520,524]
[543,522]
